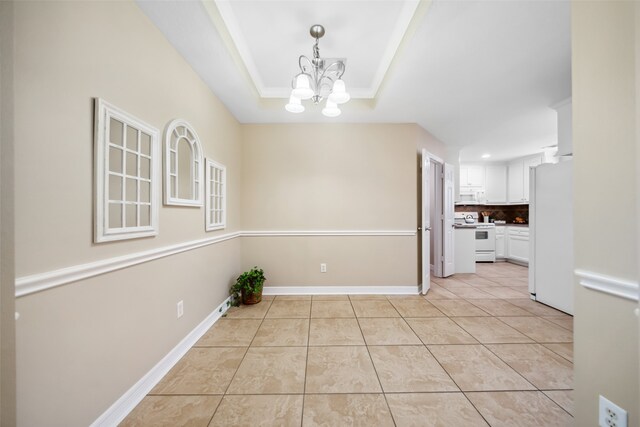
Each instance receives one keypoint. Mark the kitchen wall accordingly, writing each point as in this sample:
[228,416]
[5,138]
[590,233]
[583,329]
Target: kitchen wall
[605,113]
[332,177]
[506,213]
[80,346]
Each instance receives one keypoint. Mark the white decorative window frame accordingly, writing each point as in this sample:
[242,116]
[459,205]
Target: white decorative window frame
[216,196]
[197,165]
[104,112]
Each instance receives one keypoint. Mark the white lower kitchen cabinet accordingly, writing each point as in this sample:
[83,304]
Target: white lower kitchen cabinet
[500,243]
[518,243]
[465,250]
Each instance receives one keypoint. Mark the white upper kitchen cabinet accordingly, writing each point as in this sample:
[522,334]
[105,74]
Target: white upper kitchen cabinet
[528,164]
[516,181]
[496,184]
[565,132]
[471,176]
[519,178]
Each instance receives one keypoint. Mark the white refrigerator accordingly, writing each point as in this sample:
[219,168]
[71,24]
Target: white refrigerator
[551,234]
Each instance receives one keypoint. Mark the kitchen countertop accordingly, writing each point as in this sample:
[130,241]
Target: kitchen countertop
[512,225]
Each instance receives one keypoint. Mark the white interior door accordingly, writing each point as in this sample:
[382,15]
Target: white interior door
[448,213]
[426,222]
[437,220]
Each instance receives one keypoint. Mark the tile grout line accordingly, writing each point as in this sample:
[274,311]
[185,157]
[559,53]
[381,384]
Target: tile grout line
[448,374]
[306,364]
[384,395]
[535,342]
[243,358]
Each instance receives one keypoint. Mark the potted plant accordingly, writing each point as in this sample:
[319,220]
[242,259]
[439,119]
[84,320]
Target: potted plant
[248,287]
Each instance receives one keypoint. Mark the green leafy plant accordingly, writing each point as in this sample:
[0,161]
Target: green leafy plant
[248,287]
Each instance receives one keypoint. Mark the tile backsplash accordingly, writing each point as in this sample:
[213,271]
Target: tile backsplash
[498,212]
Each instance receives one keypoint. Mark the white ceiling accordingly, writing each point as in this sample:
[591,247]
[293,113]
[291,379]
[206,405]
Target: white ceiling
[478,75]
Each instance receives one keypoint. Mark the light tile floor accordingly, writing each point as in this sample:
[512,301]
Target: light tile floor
[475,351]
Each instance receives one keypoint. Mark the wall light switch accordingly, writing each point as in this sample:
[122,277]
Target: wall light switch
[180,309]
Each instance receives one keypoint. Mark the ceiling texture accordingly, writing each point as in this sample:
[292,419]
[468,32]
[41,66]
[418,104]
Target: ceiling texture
[479,75]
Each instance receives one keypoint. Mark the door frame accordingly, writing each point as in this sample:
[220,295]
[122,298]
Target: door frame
[437,226]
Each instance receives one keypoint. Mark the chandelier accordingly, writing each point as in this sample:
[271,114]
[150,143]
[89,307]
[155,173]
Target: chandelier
[319,78]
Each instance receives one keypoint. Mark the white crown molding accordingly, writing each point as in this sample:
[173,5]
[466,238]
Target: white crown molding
[284,233]
[26,285]
[340,290]
[614,286]
[38,282]
[130,399]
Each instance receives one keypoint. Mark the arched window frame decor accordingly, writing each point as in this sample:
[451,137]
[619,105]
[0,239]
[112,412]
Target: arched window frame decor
[183,131]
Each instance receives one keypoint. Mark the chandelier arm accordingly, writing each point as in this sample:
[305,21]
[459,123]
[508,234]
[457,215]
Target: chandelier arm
[339,72]
[305,68]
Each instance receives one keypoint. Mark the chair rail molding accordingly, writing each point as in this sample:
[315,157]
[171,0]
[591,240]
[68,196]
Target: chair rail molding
[38,282]
[614,286]
[33,283]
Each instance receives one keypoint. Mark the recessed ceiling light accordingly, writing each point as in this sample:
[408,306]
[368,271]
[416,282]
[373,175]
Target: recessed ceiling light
[486,156]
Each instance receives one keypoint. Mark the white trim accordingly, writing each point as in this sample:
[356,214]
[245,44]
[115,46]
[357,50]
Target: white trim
[340,290]
[30,284]
[38,282]
[260,233]
[609,285]
[125,404]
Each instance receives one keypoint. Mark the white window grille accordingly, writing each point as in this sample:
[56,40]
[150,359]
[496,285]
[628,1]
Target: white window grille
[216,205]
[127,166]
[183,165]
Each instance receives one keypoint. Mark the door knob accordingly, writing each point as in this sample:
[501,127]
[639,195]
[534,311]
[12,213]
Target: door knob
[419,228]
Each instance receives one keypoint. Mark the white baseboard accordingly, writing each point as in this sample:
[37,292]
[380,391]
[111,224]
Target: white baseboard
[125,404]
[340,290]
[609,285]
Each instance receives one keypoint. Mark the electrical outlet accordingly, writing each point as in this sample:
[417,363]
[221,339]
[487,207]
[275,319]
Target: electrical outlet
[180,308]
[611,415]
[323,268]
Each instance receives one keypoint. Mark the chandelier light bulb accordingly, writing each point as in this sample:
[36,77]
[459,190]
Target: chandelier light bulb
[294,105]
[339,93]
[302,89]
[331,109]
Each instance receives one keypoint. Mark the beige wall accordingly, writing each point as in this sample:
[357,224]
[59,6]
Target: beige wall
[82,345]
[329,177]
[604,129]
[7,259]
[67,54]
[332,177]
